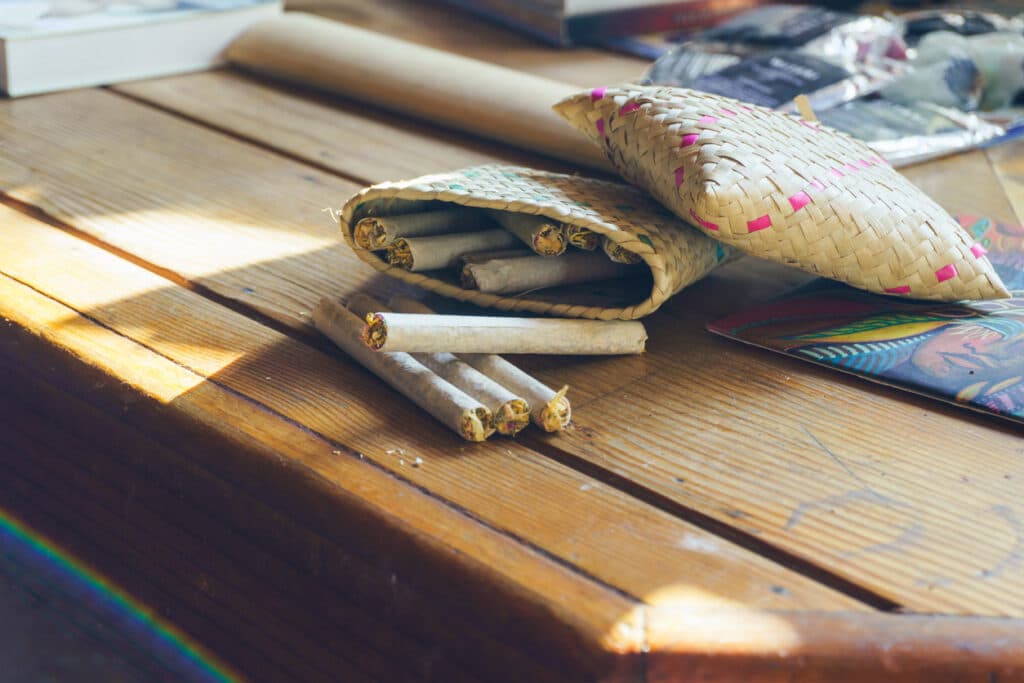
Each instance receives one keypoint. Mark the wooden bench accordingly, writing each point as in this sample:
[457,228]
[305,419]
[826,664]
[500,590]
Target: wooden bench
[716,512]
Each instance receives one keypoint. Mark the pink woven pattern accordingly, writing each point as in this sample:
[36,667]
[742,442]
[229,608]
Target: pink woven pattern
[785,189]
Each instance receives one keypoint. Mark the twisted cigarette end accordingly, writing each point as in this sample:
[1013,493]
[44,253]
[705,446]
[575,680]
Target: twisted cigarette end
[376,332]
[555,416]
[550,240]
[512,417]
[582,238]
[399,254]
[467,279]
[616,252]
[369,233]
[476,424]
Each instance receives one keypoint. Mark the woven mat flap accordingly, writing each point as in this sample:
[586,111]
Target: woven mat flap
[781,188]
[676,254]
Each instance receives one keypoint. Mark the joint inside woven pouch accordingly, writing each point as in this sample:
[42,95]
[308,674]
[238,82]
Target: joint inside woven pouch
[619,292]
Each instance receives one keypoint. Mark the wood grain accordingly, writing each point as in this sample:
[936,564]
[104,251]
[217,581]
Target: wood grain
[87,501]
[206,543]
[557,617]
[689,474]
[916,500]
[342,136]
[335,399]
[970,183]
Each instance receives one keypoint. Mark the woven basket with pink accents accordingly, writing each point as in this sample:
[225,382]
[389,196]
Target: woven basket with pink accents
[779,187]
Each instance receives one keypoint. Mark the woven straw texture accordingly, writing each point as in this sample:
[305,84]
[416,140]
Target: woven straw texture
[676,254]
[784,189]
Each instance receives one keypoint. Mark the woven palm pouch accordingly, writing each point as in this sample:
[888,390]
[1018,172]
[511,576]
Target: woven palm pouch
[784,189]
[676,254]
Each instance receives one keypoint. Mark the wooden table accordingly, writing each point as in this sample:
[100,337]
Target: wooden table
[716,512]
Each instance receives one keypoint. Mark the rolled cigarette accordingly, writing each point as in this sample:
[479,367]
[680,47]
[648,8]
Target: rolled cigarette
[444,251]
[484,256]
[582,238]
[377,232]
[550,409]
[466,276]
[510,413]
[504,276]
[420,333]
[617,253]
[545,236]
[448,404]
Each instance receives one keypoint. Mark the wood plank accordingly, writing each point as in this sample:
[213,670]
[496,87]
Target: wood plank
[919,501]
[73,495]
[332,133]
[944,181]
[117,503]
[723,645]
[275,208]
[609,375]
[344,578]
[721,642]
[334,399]
[325,395]
[130,517]
[514,594]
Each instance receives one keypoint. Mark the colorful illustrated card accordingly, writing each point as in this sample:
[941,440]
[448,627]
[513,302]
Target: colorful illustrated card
[971,354]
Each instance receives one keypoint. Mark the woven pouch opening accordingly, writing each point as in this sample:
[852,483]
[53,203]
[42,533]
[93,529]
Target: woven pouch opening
[672,254]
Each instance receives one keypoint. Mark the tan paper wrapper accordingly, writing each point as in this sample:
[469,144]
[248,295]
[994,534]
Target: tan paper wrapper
[785,189]
[451,406]
[549,409]
[432,333]
[676,254]
[446,251]
[505,276]
[465,94]
[509,413]
[377,232]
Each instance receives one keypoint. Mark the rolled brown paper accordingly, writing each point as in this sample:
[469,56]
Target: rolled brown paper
[449,405]
[461,93]
[550,409]
[509,413]
[507,276]
[543,235]
[484,256]
[445,251]
[377,232]
[420,333]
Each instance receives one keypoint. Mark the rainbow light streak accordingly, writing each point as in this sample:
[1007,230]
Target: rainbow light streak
[170,649]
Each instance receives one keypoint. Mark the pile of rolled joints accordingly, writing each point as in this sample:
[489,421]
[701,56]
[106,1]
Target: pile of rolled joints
[446,363]
[499,252]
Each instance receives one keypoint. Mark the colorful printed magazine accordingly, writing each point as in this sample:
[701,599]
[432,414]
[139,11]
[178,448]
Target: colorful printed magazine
[970,354]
